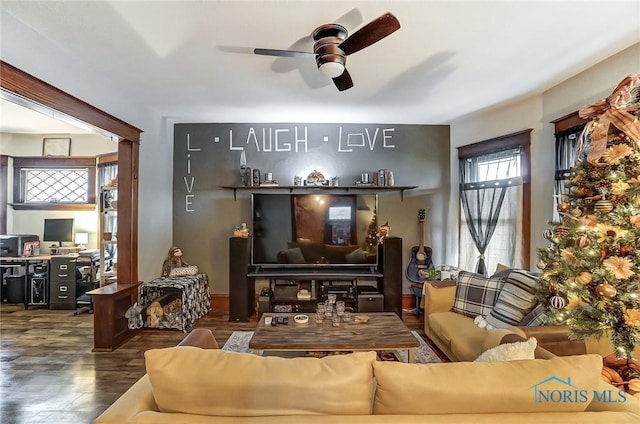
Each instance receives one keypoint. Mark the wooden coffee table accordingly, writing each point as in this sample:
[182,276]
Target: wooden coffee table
[383,331]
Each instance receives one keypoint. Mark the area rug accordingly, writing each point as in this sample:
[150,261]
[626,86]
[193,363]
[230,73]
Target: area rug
[239,342]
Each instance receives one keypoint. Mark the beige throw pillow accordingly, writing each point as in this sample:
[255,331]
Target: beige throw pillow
[220,383]
[485,387]
[510,352]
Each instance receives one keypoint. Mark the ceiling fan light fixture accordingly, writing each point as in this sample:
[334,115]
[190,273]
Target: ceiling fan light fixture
[331,69]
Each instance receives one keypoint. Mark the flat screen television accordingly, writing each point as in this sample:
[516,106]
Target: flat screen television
[314,230]
[58,230]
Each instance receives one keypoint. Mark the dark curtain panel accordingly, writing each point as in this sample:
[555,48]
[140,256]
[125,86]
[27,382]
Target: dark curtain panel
[481,198]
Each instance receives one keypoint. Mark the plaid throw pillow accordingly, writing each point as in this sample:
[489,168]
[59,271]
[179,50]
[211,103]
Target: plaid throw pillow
[476,294]
[537,317]
[516,299]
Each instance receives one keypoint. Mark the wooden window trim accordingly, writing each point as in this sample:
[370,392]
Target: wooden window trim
[23,162]
[567,122]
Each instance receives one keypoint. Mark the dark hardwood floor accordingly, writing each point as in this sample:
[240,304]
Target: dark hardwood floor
[48,373]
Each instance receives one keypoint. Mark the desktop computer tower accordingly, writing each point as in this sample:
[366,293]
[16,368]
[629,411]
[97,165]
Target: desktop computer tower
[38,288]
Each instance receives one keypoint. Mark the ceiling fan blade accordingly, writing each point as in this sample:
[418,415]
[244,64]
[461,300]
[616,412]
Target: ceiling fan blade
[343,82]
[350,20]
[282,53]
[371,33]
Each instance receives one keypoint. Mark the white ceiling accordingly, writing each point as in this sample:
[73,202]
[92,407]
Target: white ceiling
[18,119]
[192,62]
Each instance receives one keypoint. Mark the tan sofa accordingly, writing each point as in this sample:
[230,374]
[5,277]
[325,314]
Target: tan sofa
[458,337]
[187,384]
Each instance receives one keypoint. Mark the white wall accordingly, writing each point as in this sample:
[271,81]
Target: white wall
[29,51]
[31,144]
[536,112]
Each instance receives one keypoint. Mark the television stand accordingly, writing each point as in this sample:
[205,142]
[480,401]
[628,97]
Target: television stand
[388,275]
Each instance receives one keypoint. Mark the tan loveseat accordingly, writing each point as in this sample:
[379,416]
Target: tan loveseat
[458,337]
[187,384]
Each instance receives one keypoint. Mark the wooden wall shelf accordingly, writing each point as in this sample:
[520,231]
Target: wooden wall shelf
[323,188]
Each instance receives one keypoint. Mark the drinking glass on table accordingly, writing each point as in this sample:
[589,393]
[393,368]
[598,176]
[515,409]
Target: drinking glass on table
[328,310]
[340,307]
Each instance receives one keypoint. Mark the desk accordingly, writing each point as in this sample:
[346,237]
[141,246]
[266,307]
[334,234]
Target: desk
[26,261]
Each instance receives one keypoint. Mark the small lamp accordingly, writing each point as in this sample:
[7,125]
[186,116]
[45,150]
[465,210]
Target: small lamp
[81,239]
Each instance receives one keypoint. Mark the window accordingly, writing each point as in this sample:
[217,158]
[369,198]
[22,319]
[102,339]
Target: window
[494,196]
[54,183]
[567,133]
[41,185]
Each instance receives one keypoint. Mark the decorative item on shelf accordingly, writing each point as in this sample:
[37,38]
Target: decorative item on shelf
[172,261]
[297,180]
[255,177]
[303,294]
[107,236]
[365,179]
[56,147]
[107,199]
[241,231]
[335,181]
[384,232]
[315,178]
[243,168]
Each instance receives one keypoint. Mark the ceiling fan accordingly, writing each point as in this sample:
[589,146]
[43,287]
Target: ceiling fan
[332,45]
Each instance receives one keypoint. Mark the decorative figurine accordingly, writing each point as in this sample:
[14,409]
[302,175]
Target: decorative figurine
[173,260]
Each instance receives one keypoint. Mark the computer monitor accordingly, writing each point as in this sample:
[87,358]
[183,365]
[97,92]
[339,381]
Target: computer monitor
[58,230]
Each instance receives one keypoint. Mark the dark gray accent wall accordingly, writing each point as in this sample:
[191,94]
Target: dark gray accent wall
[207,156]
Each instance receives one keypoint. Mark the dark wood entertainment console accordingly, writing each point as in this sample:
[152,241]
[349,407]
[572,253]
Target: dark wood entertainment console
[242,276]
[388,271]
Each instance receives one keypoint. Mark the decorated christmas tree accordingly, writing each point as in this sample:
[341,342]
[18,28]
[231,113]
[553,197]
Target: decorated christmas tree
[591,269]
[372,233]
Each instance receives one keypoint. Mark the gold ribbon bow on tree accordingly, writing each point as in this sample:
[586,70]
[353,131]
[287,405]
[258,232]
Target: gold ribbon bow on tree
[619,110]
